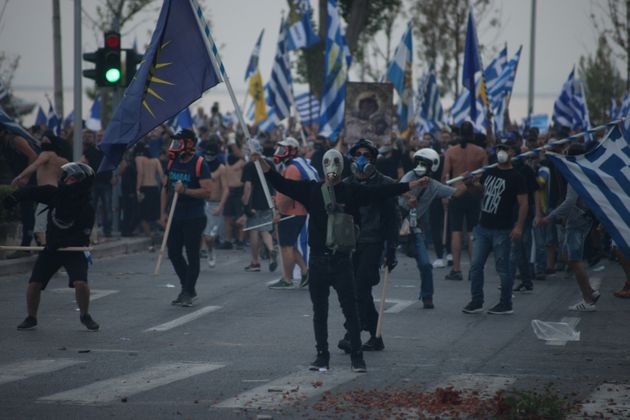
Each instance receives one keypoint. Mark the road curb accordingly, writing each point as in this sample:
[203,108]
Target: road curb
[103,250]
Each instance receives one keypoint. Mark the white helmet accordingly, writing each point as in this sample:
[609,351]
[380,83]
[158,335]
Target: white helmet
[425,160]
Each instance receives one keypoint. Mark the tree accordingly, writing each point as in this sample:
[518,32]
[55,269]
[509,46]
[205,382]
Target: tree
[440,25]
[602,81]
[616,26]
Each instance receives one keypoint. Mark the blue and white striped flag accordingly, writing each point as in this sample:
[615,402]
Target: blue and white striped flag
[280,83]
[624,107]
[460,112]
[569,110]
[252,66]
[430,112]
[494,70]
[601,178]
[93,122]
[501,90]
[53,122]
[336,63]
[69,120]
[308,107]
[300,29]
[400,74]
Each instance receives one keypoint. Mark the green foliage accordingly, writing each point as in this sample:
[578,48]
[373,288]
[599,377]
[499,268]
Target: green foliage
[7,215]
[531,405]
[602,81]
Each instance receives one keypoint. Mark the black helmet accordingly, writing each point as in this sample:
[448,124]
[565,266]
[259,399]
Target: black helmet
[82,173]
[366,144]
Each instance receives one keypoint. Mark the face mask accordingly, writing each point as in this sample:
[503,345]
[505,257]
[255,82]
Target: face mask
[362,167]
[333,165]
[502,156]
[420,170]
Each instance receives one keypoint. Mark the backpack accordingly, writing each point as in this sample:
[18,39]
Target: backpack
[341,232]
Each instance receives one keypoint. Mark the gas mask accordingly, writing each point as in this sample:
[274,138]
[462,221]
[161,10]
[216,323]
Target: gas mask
[282,154]
[180,148]
[362,166]
[333,166]
[502,156]
[420,170]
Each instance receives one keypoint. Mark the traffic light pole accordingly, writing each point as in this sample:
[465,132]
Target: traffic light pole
[77,146]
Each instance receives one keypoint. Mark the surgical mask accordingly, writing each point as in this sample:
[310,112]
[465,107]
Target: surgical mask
[420,170]
[502,156]
[362,166]
[333,165]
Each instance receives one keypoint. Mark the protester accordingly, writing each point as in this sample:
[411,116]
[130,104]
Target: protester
[330,266]
[189,176]
[70,221]
[149,171]
[504,191]
[103,182]
[129,216]
[460,159]
[233,207]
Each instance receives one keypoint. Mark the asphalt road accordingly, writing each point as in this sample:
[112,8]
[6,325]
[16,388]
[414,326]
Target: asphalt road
[243,350]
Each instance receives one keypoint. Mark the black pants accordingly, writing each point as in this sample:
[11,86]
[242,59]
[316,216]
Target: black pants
[186,233]
[367,260]
[436,220]
[130,216]
[335,271]
[27,217]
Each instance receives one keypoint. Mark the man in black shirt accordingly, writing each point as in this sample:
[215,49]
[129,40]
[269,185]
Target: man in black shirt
[327,267]
[504,190]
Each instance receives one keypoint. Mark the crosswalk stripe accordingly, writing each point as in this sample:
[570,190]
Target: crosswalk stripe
[124,386]
[289,389]
[184,319]
[24,369]
[598,404]
[399,305]
[95,294]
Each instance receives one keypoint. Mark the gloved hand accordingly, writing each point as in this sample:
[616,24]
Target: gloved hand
[390,259]
[9,202]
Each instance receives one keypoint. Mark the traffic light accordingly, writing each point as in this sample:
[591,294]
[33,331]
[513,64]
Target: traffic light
[132,59]
[111,69]
[96,73]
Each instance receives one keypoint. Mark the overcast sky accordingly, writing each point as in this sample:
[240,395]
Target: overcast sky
[564,33]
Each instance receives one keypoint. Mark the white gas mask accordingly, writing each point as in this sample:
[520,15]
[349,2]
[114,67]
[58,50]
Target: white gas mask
[333,165]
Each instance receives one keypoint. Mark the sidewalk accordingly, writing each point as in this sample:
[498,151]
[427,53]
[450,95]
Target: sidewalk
[111,247]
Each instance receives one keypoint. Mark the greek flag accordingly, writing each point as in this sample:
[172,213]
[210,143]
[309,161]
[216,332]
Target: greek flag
[460,112]
[280,90]
[400,74]
[252,66]
[300,32]
[307,172]
[69,120]
[601,178]
[268,123]
[431,114]
[569,110]
[94,120]
[624,108]
[308,108]
[40,118]
[494,70]
[501,90]
[336,63]
[53,122]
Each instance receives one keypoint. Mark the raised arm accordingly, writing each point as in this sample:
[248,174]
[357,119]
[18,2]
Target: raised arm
[24,176]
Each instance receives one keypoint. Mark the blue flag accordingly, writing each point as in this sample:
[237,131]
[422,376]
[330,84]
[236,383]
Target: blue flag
[252,66]
[69,120]
[40,119]
[11,126]
[300,32]
[176,70]
[472,62]
[53,121]
[94,120]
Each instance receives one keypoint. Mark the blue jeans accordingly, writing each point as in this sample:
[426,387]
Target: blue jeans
[521,254]
[484,242]
[425,267]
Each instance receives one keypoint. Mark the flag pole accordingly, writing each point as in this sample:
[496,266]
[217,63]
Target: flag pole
[213,52]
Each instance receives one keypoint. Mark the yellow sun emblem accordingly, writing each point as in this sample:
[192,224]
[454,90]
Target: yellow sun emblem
[154,80]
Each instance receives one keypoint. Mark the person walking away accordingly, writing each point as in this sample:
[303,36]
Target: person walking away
[233,208]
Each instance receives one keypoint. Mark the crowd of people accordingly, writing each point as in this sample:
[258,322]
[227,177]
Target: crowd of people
[520,210]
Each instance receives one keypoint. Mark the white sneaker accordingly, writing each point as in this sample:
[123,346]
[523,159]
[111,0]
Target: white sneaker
[212,260]
[449,259]
[439,263]
[583,306]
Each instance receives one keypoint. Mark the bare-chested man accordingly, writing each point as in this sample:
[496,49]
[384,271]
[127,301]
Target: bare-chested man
[149,171]
[458,160]
[218,194]
[233,208]
[48,167]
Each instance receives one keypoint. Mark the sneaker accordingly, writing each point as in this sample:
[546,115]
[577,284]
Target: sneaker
[212,260]
[281,284]
[321,362]
[501,309]
[583,306]
[427,304]
[524,288]
[178,299]
[273,263]
[29,323]
[439,263]
[357,364]
[449,259]
[187,300]
[373,344]
[473,308]
[623,293]
[454,275]
[89,323]
[252,267]
[304,280]
[344,344]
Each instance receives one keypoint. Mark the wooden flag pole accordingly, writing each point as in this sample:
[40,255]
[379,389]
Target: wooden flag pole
[381,309]
[167,229]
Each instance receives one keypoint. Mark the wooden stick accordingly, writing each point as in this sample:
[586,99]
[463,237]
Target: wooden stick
[268,223]
[379,325]
[41,248]
[445,229]
[166,231]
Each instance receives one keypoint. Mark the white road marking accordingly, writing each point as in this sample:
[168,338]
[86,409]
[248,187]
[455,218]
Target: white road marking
[22,370]
[124,386]
[399,305]
[289,389]
[598,404]
[184,319]
[94,293]
[486,385]
[572,322]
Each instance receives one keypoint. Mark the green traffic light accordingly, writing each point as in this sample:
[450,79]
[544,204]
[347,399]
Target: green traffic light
[112,75]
